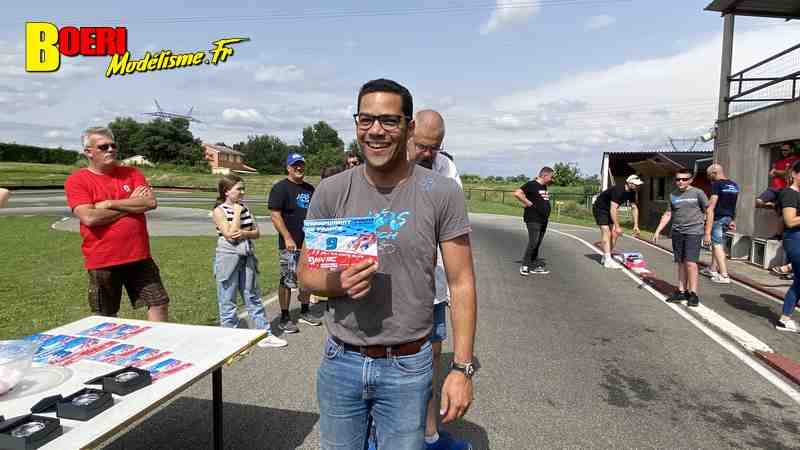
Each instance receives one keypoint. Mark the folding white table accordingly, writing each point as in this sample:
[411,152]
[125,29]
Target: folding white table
[206,348]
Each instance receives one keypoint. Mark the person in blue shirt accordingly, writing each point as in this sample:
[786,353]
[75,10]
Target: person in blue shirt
[724,194]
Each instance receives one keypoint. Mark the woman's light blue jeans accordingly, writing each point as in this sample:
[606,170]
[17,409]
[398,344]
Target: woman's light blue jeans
[244,282]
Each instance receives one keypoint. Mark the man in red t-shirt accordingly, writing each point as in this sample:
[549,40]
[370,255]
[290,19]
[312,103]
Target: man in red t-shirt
[780,170]
[110,201]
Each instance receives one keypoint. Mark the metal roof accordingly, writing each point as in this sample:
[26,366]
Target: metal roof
[783,9]
[671,146]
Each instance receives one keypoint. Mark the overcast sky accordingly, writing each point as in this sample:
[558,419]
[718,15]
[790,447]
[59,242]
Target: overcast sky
[520,83]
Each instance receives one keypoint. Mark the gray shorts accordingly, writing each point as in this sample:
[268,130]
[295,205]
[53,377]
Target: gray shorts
[288,263]
[686,247]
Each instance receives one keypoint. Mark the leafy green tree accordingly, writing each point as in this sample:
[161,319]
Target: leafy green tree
[160,141]
[567,174]
[265,153]
[318,137]
[124,128]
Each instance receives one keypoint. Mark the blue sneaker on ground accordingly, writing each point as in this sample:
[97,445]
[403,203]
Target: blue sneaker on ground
[448,442]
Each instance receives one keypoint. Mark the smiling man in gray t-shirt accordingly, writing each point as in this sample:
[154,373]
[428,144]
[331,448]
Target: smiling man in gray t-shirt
[691,224]
[377,361]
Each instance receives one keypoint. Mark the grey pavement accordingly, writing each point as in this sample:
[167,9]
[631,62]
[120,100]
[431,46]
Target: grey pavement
[578,358]
[163,221]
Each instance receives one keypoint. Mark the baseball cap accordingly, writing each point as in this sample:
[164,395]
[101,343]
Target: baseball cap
[634,179]
[294,158]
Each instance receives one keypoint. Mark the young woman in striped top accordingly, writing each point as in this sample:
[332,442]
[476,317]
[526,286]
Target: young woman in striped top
[235,262]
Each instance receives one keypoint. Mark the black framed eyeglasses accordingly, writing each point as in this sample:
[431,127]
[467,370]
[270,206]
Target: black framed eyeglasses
[389,122]
[106,147]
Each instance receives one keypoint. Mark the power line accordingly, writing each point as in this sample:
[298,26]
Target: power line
[285,16]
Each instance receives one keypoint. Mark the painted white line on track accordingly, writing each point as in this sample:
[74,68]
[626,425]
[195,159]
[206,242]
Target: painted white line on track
[774,379]
[656,247]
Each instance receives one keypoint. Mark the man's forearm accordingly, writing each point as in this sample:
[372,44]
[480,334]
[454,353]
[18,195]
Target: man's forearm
[133,205]
[614,216]
[280,226]
[320,282]
[99,217]
[463,310]
[635,210]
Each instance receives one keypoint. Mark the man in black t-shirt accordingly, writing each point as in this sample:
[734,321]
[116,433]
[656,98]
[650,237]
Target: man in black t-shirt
[288,203]
[724,194]
[606,209]
[534,196]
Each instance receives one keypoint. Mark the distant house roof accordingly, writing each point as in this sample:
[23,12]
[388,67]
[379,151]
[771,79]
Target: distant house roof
[223,149]
[783,9]
[671,146]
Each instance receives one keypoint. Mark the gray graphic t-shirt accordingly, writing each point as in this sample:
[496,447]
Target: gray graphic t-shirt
[688,210]
[413,218]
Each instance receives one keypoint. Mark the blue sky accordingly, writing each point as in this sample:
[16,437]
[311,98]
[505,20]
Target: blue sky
[520,83]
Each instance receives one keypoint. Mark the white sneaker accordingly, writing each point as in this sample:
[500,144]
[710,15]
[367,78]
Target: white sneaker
[720,278]
[609,263]
[708,272]
[787,325]
[272,341]
[524,271]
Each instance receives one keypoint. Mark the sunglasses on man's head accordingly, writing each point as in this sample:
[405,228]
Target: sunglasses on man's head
[105,147]
[682,179]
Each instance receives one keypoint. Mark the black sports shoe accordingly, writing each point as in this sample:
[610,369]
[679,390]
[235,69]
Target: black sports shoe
[288,326]
[692,299]
[677,297]
[308,319]
[540,270]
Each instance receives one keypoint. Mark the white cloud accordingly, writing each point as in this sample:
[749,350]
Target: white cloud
[279,74]
[621,107]
[599,22]
[242,117]
[509,13]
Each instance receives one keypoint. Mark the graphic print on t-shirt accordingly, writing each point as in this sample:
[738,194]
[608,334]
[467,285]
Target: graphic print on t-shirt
[303,200]
[544,194]
[388,224]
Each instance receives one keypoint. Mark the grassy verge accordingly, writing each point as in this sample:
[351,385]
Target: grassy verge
[44,282]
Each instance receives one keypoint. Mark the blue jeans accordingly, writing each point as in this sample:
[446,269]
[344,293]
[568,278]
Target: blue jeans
[246,283]
[719,228]
[439,333]
[395,391]
[791,245]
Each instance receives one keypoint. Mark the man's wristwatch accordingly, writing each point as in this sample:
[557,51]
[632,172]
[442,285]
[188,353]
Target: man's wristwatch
[468,369]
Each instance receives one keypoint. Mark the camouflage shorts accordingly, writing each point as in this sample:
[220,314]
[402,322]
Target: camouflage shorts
[288,264]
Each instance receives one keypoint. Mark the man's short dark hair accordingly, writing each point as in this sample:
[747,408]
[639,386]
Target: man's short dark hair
[384,85]
[684,170]
[546,170]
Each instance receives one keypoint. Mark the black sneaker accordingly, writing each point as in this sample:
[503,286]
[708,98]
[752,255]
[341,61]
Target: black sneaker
[540,270]
[308,319]
[677,297]
[288,326]
[692,299]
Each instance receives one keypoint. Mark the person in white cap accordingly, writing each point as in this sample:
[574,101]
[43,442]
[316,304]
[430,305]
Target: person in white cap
[606,215]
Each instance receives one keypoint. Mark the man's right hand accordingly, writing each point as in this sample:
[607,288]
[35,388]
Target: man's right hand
[356,280]
[290,245]
[655,237]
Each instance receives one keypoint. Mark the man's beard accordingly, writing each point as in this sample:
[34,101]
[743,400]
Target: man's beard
[426,163]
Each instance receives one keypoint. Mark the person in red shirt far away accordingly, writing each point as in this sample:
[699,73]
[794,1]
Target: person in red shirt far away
[777,177]
[110,201]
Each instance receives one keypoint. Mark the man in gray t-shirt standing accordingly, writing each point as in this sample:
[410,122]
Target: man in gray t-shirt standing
[691,225]
[377,359]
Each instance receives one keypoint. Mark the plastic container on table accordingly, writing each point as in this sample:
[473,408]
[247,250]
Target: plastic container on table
[15,360]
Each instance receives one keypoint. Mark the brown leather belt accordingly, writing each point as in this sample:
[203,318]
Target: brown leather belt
[385,351]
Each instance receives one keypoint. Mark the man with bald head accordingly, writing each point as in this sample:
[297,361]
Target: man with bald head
[724,194]
[426,147]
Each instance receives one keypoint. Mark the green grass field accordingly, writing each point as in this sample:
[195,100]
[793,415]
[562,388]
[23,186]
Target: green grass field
[44,282]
